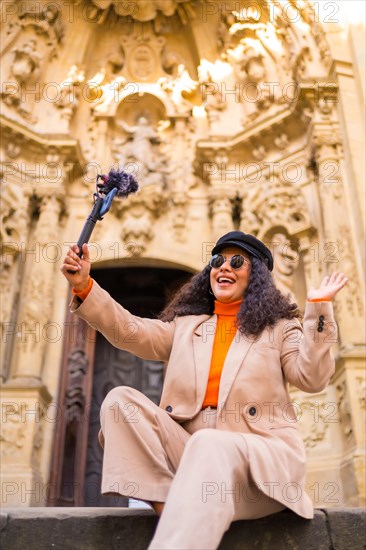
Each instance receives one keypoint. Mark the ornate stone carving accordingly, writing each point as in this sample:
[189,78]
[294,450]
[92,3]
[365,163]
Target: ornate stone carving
[310,15]
[345,415]
[327,158]
[312,425]
[179,88]
[345,257]
[259,152]
[249,63]
[45,20]
[12,435]
[14,147]
[109,92]
[37,289]
[249,222]
[25,68]
[13,226]
[361,391]
[42,19]
[275,201]
[137,225]
[146,11]
[281,141]
[301,63]
[221,209]
[26,62]
[259,58]
[77,366]
[13,218]
[29,55]
[70,92]
[179,148]
[141,151]
[180,202]
[286,260]
[210,77]
[38,440]
[143,54]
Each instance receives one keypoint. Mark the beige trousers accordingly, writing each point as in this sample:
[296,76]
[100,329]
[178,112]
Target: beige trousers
[202,474]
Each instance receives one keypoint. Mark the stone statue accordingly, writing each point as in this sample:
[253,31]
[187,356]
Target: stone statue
[139,148]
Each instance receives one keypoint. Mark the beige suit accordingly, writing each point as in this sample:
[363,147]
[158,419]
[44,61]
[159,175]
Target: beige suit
[254,404]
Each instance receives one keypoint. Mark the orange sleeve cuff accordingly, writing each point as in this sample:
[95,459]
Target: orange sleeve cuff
[319,300]
[83,293]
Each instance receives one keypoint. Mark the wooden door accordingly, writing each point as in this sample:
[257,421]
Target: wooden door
[77,461]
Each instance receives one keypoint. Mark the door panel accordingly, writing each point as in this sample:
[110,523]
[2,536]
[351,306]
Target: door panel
[91,368]
[113,367]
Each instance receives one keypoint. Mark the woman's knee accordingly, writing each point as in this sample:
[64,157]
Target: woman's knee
[204,439]
[120,394]
[118,397]
[211,442]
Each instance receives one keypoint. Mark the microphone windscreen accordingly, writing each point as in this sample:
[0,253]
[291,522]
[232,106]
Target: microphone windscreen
[124,182]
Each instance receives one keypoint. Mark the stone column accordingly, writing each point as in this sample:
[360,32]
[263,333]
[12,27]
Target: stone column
[341,255]
[13,229]
[24,398]
[338,252]
[35,328]
[23,416]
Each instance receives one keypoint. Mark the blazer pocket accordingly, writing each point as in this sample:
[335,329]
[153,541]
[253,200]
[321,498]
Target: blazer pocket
[283,426]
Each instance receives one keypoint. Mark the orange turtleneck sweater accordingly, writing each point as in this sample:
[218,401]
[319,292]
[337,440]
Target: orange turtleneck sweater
[224,335]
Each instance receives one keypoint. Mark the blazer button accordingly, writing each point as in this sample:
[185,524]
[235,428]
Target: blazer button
[320,328]
[321,317]
[252,411]
[169,409]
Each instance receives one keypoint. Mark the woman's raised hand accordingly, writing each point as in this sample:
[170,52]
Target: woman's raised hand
[80,267]
[328,287]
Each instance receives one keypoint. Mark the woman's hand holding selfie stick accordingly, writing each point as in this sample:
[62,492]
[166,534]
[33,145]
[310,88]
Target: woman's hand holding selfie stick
[117,183]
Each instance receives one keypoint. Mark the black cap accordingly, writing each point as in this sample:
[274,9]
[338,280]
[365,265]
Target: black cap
[246,242]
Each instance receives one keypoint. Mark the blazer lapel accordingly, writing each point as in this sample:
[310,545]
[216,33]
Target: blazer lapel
[234,359]
[203,339]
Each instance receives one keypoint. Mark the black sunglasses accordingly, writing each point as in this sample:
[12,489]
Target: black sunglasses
[236,262]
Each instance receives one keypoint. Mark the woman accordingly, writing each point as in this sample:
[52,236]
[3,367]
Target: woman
[223,444]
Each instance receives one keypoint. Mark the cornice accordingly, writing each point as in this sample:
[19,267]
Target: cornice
[58,141]
[309,95]
[219,142]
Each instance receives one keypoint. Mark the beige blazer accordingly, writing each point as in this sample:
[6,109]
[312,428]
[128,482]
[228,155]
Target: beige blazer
[253,395]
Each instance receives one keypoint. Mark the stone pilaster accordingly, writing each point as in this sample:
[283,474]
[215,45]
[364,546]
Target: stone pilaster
[338,246]
[349,309]
[34,326]
[23,415]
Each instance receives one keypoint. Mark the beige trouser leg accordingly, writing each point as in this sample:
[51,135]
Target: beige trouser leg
[142,446]
[212,488]
[148,455]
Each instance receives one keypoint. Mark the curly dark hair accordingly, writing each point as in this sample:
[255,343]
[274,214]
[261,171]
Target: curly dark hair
[263,303]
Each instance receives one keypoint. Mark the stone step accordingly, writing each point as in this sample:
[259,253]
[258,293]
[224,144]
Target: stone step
[129,529]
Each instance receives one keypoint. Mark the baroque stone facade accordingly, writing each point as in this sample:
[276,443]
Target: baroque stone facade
[239,114]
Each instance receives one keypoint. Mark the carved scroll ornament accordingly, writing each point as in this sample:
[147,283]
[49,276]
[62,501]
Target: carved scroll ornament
[142,10]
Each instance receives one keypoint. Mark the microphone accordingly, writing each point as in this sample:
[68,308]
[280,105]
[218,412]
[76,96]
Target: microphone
[124,182]
[117,183]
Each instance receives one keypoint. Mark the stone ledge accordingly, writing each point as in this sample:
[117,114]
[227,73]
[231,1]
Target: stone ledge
[129,529]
